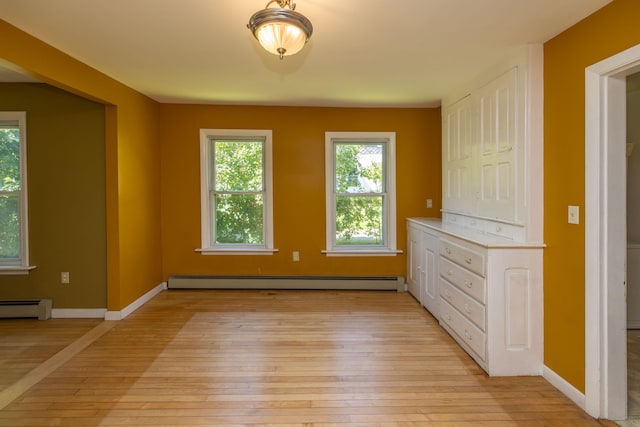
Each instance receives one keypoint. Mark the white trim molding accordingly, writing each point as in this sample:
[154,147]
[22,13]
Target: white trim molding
[208,245]
[561,384]
[119,315]
[389,245]
[605,234]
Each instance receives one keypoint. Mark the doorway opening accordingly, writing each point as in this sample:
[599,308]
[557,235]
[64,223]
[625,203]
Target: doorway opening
[606,235]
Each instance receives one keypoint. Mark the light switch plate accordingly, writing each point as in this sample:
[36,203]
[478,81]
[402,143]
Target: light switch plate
[574,215]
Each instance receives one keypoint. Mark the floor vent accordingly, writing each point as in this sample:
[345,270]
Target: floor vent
[387,283]
[25,308]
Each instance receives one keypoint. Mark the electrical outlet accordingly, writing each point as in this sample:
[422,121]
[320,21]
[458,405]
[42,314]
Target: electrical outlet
[296,256]
[429,203]
[64,277]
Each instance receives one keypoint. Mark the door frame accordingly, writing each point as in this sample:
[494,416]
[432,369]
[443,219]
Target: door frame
[605,234]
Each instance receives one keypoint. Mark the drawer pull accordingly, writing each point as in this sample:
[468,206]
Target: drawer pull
[447,295]
[468,260]
[447,316]
[468,284]
[467,309]
[468,335]
[449,272]
[447,250]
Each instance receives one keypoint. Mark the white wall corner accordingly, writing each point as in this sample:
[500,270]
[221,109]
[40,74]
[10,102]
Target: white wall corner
[119,315]
[564,387]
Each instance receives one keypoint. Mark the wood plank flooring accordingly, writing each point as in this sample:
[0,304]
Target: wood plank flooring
[26,343]
[285,358]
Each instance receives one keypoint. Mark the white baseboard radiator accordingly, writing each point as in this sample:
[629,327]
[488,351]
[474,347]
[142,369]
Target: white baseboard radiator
[25,308]
[380,283]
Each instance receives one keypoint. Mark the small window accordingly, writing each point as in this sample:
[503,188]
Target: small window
[14,250]
[360,193]
[236,192]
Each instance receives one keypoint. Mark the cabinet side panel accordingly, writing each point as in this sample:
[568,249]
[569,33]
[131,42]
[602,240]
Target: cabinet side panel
[517,309]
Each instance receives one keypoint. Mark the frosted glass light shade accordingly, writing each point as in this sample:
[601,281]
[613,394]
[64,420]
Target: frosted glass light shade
[280,31]
[281,36]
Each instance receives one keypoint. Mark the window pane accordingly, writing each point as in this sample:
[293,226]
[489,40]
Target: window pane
[359,168]
[238,165]
[9,159]
[9,227]
[238,218]
[359,220]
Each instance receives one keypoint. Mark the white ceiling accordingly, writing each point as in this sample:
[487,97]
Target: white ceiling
[372,53]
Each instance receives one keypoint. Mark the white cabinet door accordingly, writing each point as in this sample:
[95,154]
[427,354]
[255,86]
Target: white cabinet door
[456,157]
[497,184]
[430,297]
[414,267]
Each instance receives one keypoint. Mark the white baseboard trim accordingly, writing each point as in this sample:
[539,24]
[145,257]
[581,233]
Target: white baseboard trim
[78,313]
[119,315]
[567,389]
[633,324]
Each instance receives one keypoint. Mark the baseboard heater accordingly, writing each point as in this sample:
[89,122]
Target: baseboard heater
[25,308]
[386,283]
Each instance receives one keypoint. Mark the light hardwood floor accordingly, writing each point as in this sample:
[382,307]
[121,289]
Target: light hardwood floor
[285,358]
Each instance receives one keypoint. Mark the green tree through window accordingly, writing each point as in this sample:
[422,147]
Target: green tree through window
[10,187]
[237,195]
[360,185]
[359,193]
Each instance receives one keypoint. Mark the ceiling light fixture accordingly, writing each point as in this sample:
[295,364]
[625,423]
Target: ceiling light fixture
[281,30]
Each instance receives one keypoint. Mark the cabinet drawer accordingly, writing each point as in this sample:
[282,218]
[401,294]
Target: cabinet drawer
[468,258]
[466,305]
[468,334]
[469,283]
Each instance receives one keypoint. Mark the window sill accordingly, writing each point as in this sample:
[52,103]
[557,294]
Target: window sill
[16,270]
[239,251]
[361,252]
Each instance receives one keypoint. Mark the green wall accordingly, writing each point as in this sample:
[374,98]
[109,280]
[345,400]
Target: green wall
[66,188]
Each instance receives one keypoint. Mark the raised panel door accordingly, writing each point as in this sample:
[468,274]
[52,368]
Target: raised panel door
[429,286]
[456,157]
[495,123]
[414,236]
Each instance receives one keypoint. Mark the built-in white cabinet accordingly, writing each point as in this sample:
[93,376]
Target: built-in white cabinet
[492,151]
[490,294]
[479,151]
[414,267]
[422,266]
[479,269]
[430,296]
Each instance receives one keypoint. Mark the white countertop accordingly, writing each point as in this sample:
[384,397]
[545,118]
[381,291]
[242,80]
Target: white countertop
[473,236]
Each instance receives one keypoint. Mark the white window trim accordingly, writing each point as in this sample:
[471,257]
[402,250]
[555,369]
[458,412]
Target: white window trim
[390,248]
[22,266]
[208,247]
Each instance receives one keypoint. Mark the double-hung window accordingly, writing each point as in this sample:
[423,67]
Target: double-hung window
[360,193]
[14,251]
[236,191]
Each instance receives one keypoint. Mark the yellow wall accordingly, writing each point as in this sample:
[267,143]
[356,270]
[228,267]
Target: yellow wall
[605,33]
[132,161]
[299,180]
[66,189]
